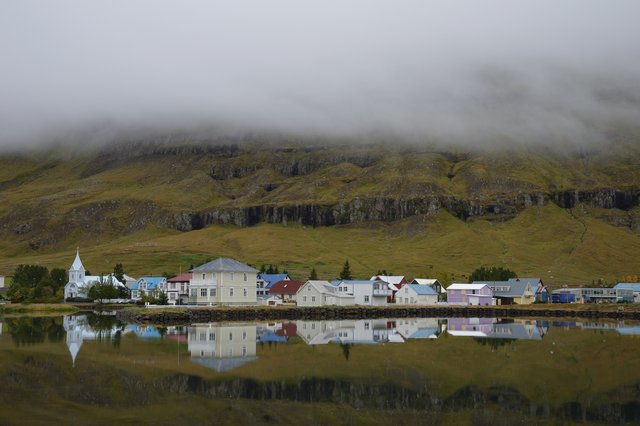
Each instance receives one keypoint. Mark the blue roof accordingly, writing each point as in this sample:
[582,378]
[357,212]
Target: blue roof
[271,279]
[627,286]
[152,282]
[272,337]
[423,290]
[424,333]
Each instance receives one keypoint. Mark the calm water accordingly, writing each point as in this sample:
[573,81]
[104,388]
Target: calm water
[96,370]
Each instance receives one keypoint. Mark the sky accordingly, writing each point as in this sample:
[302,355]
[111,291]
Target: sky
[453,72]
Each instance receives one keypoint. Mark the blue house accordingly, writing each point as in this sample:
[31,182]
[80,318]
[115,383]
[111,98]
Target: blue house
[148,286]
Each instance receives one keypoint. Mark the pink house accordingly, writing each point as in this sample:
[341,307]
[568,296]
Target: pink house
[470,294]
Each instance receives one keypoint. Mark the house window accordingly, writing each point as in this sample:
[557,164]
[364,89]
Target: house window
[230,335]
[366,299]
[203,292]
[212,336]
[172,296]
[366,325]
[231,292]
[203,337]
[304,298]
[244,351]
[194,292]
[309,288]
[313,326]
[212,292]
[204,276]
[313,298]
[245,277]
[231,275]
[244,335]
[245,292]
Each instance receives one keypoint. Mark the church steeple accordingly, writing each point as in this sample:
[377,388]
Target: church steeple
[76,272]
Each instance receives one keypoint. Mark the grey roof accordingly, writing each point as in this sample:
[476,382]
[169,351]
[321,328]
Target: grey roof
[224,264]
[517,286]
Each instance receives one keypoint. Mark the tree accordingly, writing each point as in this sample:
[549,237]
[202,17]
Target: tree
[346,271]
[58,277]
[313,275]
[118,272]
[163,299]
[491,273]
[103,290]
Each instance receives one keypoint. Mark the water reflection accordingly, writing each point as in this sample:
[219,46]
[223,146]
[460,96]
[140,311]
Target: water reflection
[226,346]
[222,347]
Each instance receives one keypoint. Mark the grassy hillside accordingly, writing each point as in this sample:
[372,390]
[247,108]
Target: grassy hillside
[128,205]
[543,241]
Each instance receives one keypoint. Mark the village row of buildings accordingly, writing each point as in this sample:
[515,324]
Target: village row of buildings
[227,281]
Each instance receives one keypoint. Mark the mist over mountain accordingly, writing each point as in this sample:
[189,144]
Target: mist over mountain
[454,74]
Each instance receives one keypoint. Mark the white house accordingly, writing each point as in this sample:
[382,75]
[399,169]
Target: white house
[416,294]
[1,281]
[223,281]
[79,283]
[366,292]
[432,282]
[322,293]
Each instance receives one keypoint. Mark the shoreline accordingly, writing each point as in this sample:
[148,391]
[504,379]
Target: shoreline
[191,315]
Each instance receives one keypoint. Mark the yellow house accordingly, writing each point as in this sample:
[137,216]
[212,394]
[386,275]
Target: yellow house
[223,281]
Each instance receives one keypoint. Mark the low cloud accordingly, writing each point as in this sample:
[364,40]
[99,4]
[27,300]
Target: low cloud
[457,72]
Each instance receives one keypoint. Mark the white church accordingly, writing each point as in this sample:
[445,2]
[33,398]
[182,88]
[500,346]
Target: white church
[79,283]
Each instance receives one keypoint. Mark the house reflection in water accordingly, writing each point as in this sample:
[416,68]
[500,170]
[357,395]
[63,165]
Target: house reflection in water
[348,331]
[420,328]
[222,347]
[493,328]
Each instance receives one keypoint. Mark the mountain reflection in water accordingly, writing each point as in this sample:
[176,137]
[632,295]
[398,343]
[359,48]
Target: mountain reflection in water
[461,370]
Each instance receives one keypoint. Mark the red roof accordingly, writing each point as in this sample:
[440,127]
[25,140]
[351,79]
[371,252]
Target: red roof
[181,278]
[288,330]
[288,287]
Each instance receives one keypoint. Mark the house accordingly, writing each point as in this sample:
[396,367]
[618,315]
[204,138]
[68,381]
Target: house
[286,290]
[79,284]
[518,291]
[178,288]
[148,286]
[395,283]
[322,293]
[470,294]
[365,292]
[222,347]
[1,281]
[634,287]
[265,281]
[223,281]
[416,294]
[431,282]
[607,295]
